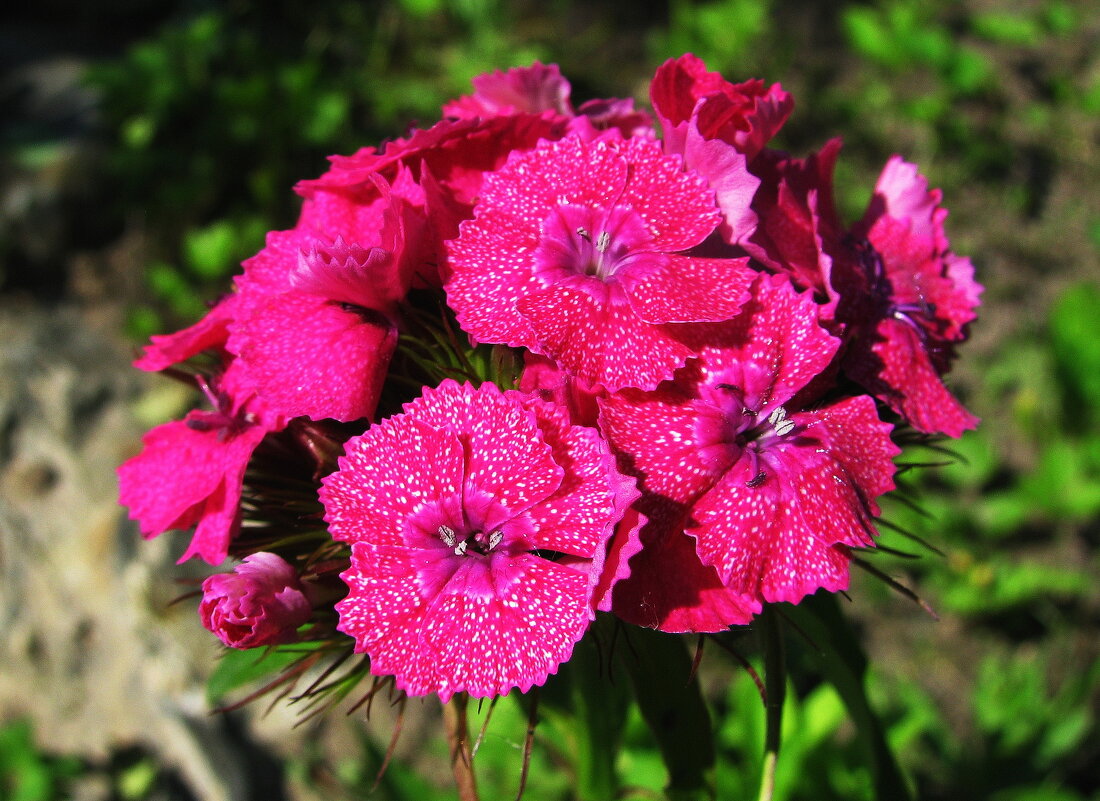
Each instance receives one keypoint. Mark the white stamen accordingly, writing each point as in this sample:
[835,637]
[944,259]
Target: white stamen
[447,534]
[460,549]
[782,424]
[604,242]
[495,538]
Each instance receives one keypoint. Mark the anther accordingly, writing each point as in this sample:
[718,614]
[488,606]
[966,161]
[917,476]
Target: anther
[447,534]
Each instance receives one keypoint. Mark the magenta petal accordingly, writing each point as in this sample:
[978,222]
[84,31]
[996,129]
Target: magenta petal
[492,267]
[602,342]
[386,475]
[678,204]
[188,474]
[307,356]
[625,543]
[574,519]
[211,331]
[896,367]
[777,343]
[670,589]
[726,171]
[682,289]
[382,612]
[514,638]
[658,431]
[902,193]
[768,539]
[533,89]
[506,455]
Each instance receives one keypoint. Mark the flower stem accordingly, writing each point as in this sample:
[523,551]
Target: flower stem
[775,688]
[458,736]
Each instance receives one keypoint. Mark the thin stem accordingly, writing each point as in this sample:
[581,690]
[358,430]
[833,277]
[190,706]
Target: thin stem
[458,736]
[775,687]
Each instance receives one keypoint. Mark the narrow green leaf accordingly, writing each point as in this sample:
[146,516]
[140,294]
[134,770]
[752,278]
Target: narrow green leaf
[671,703]
[239,668]
[585,700]
[845,667]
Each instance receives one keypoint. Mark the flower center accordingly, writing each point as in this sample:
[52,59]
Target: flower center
[731,427]
[588,242]
[469,524]
[477,541]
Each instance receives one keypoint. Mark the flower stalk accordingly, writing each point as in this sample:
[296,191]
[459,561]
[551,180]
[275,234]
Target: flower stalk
[775,691]
[458,738]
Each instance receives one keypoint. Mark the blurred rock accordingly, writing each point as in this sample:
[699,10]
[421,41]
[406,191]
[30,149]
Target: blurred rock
[94,653]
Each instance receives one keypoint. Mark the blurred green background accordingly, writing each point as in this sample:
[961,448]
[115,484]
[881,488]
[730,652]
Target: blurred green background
[147,146]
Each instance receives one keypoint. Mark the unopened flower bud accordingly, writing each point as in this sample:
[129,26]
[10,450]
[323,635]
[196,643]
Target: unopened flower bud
[262,602]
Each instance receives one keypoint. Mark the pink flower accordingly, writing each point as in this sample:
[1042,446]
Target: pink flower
[191,471]
[478,522]
[718,128]
[315,320]
[746,115]
[799,230]
[908,300]
[541,88]
[575,250]
[774,487]
[261,602]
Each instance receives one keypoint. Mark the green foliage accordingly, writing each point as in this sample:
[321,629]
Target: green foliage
[26,773]
[724,33]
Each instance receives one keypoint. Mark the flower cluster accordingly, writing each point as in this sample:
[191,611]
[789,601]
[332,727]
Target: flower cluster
[710,373]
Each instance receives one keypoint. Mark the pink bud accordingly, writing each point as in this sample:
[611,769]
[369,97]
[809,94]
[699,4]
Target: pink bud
[261,602]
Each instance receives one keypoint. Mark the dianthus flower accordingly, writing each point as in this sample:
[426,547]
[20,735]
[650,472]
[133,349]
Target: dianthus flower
[718,127]
[478,522]
[191,471]
[908,300]
[315,317]
[776,488]
[746,115]
[575,252]
[541,88]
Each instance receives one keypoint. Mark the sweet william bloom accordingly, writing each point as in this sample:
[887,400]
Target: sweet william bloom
[315,314]
[718,128]
[799,231]
[541,88]
[478,522]
[191,471]
[908,300]
[576,252]
[262,602]
[777,488]
[746,115]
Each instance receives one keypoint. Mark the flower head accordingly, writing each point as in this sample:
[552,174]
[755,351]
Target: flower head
[746,115]
[575,253]
[908,300]
[478,522]
[776,487]
[261,602]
